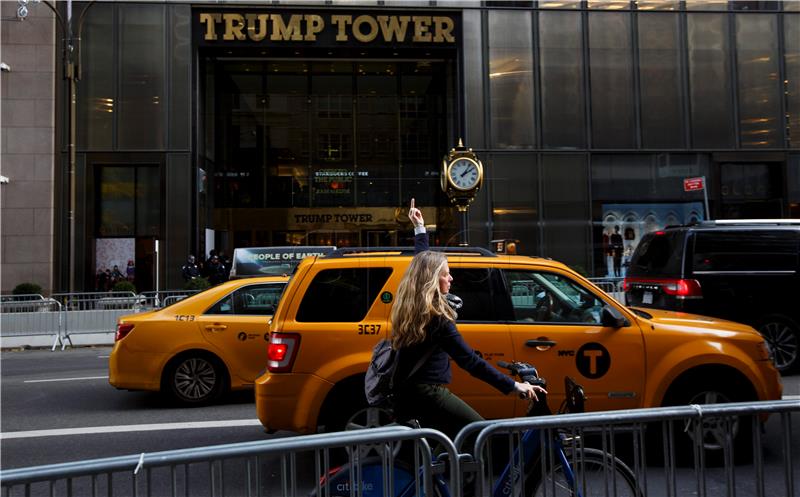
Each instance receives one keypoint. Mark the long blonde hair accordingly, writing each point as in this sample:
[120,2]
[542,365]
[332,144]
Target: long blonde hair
[419,299]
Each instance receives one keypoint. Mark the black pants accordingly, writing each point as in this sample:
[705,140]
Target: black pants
[434,406]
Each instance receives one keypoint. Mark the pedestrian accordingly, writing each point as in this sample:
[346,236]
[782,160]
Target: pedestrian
[116,275]
[130,271]
[617,249]
[189,271]
[423,324]
[215,271]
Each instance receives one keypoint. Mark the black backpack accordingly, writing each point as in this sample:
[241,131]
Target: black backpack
[379,382]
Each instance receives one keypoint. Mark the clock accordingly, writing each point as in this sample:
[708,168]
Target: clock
[464,174]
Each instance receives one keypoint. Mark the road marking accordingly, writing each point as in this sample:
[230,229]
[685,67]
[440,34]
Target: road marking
[103,356]
[68,379]
[189,425]
[791,397]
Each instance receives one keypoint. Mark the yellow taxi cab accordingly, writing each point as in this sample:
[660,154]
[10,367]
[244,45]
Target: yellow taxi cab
[515,308]
[199,347]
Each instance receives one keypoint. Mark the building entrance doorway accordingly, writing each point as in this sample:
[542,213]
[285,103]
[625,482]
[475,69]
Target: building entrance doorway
[323,150]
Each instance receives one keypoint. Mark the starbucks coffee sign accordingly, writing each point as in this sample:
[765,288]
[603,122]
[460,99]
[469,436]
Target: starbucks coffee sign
[333,27]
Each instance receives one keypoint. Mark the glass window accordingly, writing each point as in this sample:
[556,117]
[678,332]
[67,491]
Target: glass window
[791,85]
[96,92]
[611,82]
[541,297]
[180,76]
[608,4]
[647,178]
[657,5]
[473,77]
[565,208]
[515,201]
[561,74]
[142,100]
[475,287]
[706,4]
[252,300]
[658,255]
[511,79]
[710,81]
[129,200]
[660,81]
[760,250]
[341,295]
[760,120]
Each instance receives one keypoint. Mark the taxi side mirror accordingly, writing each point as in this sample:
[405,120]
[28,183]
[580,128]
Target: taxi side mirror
[611,317]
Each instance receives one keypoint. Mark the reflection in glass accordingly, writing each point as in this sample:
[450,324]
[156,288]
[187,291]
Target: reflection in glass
[657,5]
[96,89]
[662,97]
[611,80]
[565,199]
[511,79]
[760,123]
[710,80]
[791,85]
[142,104]
[706,4]
[515,200]
[561,73]
[117,201]
[608,4]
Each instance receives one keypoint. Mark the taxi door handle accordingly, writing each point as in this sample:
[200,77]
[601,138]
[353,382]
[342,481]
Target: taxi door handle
[540,342]
[215,328]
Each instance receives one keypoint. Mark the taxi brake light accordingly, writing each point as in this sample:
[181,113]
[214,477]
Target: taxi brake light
[122,331]
[683,288]
[281,351]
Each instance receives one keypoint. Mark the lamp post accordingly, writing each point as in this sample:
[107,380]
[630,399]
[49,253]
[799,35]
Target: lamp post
[71,60]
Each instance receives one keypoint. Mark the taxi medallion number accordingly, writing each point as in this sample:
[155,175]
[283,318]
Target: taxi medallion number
[369,329]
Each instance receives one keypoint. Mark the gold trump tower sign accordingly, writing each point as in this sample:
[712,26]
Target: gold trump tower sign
[362,28]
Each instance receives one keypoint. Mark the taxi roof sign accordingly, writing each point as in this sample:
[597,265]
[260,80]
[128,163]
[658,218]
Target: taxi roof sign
[272,261]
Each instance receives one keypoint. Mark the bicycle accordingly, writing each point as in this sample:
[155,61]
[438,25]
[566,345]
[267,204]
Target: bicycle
[554,464]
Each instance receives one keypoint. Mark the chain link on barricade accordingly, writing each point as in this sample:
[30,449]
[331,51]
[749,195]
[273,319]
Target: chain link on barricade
[616,453]
[288,467]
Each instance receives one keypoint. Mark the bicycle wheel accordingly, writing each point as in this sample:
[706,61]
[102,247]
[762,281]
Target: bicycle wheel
[597,474]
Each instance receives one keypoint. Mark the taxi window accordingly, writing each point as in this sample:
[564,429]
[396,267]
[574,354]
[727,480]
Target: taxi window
[252,300]
[542,297]
[476,288]
[341,295]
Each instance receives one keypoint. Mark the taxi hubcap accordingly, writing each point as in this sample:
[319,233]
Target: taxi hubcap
[782,343]
[195,379]
[714,432]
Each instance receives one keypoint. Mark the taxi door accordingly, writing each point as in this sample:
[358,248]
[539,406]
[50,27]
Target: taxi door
[556,326]
[478,322]
[237,327]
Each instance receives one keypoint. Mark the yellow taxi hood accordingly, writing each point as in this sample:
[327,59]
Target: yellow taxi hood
[693,322]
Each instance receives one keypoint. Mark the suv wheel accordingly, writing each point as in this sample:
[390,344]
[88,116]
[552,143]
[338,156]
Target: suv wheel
[783,338]
[194,379]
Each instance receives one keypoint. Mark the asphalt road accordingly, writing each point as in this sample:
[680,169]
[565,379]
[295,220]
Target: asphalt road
[58,407]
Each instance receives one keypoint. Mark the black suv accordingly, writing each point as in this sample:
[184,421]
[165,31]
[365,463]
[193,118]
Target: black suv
[746,271]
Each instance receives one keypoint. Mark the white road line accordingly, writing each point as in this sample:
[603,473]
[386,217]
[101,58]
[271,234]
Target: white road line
[68,379]
[791,397]
[103,356]
[89,430]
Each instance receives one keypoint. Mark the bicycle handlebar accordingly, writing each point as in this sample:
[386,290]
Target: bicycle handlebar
[574,394]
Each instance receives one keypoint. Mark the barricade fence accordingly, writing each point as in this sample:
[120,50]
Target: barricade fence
[64,315]
[612,286]
[396,460]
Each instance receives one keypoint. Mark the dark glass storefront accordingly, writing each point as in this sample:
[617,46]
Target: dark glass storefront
[267,130]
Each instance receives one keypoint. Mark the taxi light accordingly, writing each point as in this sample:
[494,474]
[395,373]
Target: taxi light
[281,351]
[122,331]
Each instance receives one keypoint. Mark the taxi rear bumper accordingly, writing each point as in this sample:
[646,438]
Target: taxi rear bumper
[290,401]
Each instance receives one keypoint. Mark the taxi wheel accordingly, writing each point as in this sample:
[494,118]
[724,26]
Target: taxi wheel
[194,379]
[713,432]
[783,338]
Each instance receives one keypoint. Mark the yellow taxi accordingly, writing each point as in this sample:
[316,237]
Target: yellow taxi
[515,308]
[199,347]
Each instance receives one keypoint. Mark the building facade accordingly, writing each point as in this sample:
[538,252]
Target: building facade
[219,125]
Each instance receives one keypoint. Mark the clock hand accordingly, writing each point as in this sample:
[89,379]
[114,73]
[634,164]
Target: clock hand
[465,172]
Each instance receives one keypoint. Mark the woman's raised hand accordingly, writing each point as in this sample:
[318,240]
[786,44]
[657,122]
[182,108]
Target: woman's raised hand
[415,215]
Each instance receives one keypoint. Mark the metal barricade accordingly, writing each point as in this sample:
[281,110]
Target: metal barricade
[86,301]
[30,315]
[287,467]
[163,298]
[94,312]
[612,286]
[651,445]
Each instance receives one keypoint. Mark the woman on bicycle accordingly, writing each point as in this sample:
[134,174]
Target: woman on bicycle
[423,325]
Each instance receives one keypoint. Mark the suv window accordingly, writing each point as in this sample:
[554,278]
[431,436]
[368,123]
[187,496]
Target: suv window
[758,250]
[254,300]
[538,296]
[658,254]
[342,295]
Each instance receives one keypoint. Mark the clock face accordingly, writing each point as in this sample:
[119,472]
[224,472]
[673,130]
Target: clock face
[464,174]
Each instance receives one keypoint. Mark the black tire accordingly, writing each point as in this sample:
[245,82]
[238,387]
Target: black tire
[710,390]
[597,473]
[783,338]
[194,379]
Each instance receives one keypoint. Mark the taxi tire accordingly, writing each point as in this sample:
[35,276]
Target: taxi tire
[204,367]
[709,388]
